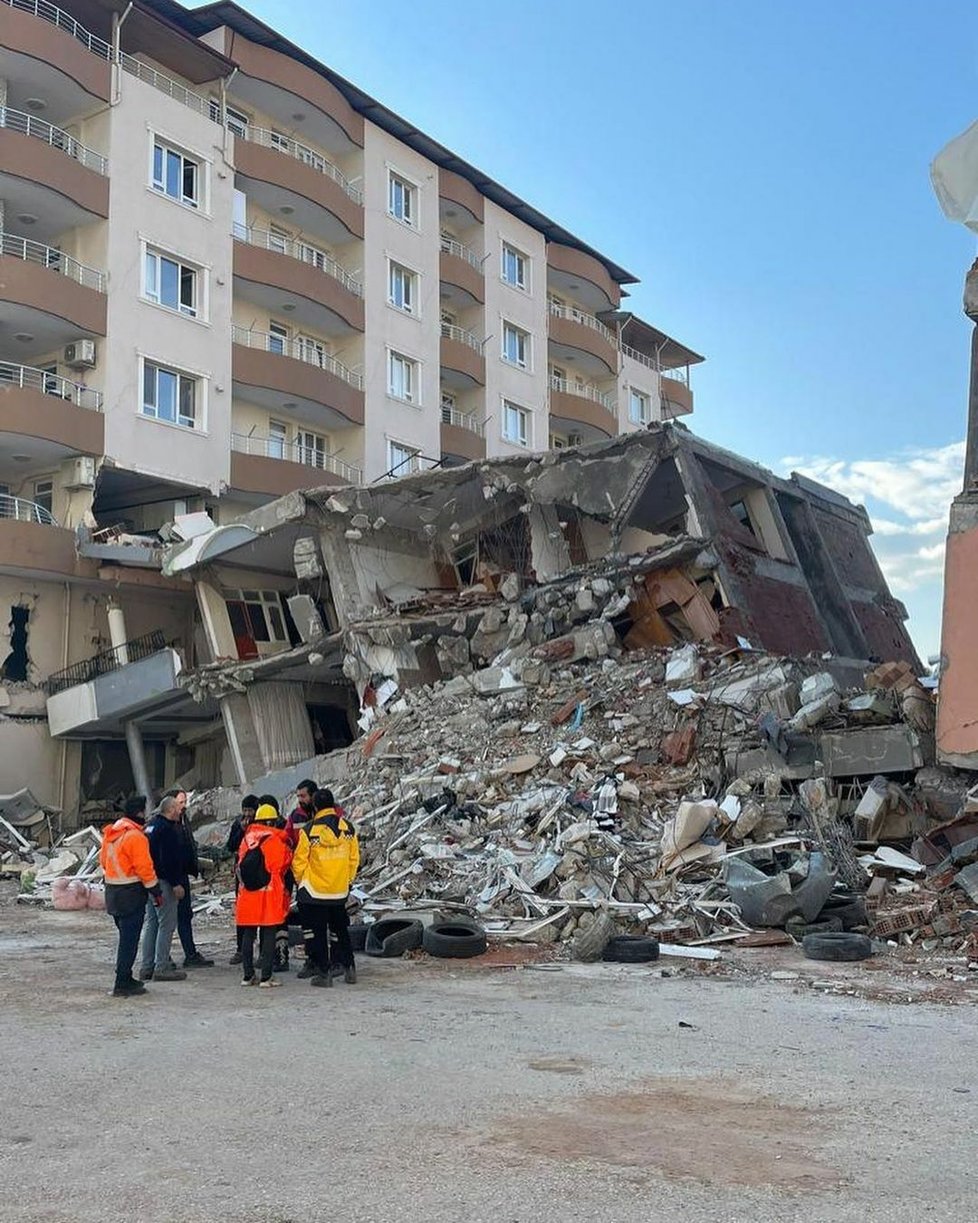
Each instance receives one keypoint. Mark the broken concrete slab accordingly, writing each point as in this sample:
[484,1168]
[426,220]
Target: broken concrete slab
[867,752]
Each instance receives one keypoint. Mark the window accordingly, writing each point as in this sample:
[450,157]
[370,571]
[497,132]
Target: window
[239,224]
[516,424]
[639,407]
[44,494]
[236,122]
[558,374]
[516,345]
[278,338]
[314,255]
[402,377]
[171,283]
[309,156]
[170,395]
[402,287]
[401,199]
[52,383]
[278,239]
[401,459]
[515,267]
[176,175]
[278,439]
[312,351]
[448,407]
[256,615]
[279,140]
[312,448]
[742,514]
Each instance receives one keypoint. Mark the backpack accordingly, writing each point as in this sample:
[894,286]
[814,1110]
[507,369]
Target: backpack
[252,870]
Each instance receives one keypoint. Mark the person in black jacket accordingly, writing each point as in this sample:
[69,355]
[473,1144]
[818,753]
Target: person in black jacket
[192,958]
[168,854]
[249,805]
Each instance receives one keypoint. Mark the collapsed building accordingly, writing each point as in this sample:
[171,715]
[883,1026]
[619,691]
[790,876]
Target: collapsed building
[315,606]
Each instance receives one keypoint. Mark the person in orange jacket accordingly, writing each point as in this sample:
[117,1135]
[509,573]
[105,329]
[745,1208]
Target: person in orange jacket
[262,903]
[129,874]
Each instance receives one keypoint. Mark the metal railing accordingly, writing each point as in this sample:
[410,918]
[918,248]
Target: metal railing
[304,252]
[298,349]
[295,452]
[64,21]
[28,378]
[25,511]
[587,320]
[450,331]
[301,152]
[166,84]
[452,247]
[53,259]
[107,661]
[584,390]
[679,374]
[58,138]
[462,420]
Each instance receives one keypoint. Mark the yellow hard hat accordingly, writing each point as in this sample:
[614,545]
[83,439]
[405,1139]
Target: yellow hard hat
[266,813]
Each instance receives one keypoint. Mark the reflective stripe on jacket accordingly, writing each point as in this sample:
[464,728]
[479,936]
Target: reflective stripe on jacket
[326,862]
[124,856]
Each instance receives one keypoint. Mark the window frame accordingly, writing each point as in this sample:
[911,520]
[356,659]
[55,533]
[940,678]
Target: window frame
[518,257]
[413,380]
[198,421]
[633,394]
[198,202]
[277,634]
[410,281]
[307,443]
[410,194]
[525,416]
[277,441]
[196,311]
[412,452]
[527,344]
[42,493]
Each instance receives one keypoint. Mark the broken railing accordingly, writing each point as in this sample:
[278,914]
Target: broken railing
[106,661]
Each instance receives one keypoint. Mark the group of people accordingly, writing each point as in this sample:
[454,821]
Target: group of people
[312,855]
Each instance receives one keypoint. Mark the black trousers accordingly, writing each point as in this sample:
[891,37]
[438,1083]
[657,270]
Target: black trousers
[318,920]
[266,951]
[130,927]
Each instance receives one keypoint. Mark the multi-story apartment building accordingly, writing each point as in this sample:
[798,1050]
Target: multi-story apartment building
[227,273]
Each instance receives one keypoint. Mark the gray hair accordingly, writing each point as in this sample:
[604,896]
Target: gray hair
[168,805]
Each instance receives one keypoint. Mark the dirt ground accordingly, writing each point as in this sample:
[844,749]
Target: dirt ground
[512,1088]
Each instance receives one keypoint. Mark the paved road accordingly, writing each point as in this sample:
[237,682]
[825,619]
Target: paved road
[437,1093]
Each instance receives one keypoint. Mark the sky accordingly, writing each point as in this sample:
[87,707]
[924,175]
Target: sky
[762,167]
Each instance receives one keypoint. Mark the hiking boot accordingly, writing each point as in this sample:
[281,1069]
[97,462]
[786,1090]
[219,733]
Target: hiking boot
[145,974]
[169,974]
[250,981]
[271,983]
[129,989]
[236,958]
[309,969]
[323,980]
[197,961]
[350,976]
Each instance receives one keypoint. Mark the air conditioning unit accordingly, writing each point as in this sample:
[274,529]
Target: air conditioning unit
[80,354]
[79,473]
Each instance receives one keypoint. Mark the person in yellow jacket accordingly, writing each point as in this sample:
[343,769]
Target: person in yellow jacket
[325,865]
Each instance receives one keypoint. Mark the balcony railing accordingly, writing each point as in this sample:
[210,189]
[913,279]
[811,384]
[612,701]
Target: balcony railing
[50,257]
[295,248]
[106,662]
[30,379]
[172,88]
[584,390]
[301,152]
[298,349]
[295,452]
[452,247]
[449,331]
[680,373]
[30,125]
[462,420]
[25,511]
[586,320]
[64,21]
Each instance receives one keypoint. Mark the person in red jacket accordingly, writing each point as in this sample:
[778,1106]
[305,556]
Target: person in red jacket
[262,903]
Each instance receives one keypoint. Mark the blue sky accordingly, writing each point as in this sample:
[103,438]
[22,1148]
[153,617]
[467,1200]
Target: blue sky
[762,167]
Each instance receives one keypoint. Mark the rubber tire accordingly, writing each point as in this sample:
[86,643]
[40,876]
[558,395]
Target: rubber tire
[454,940]
[825,923]
[358,935]
[850,910]
[838,947]
[630,949]
[392,936]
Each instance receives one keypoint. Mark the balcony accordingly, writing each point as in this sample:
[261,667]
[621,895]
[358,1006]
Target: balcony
[324,296]
[16,509]
[578,336]
[462,435]
[274,467]
[134,680]
[581,276]
[33,545]
[50,175]
[459,201]
[675,393]
[60,57]
[49,409]
[49,298]
[283,175]
[462,278]
[295,376]
[583,409]
[462,362]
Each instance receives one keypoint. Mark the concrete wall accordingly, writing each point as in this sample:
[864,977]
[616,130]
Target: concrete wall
[634,374]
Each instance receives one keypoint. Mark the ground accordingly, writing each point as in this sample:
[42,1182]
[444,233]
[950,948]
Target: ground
[511,1089]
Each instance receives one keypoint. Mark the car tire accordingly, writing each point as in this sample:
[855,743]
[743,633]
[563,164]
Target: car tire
[850,909]
[358,935]
[454,940]
[630,949]
[836,946]
[392,936]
